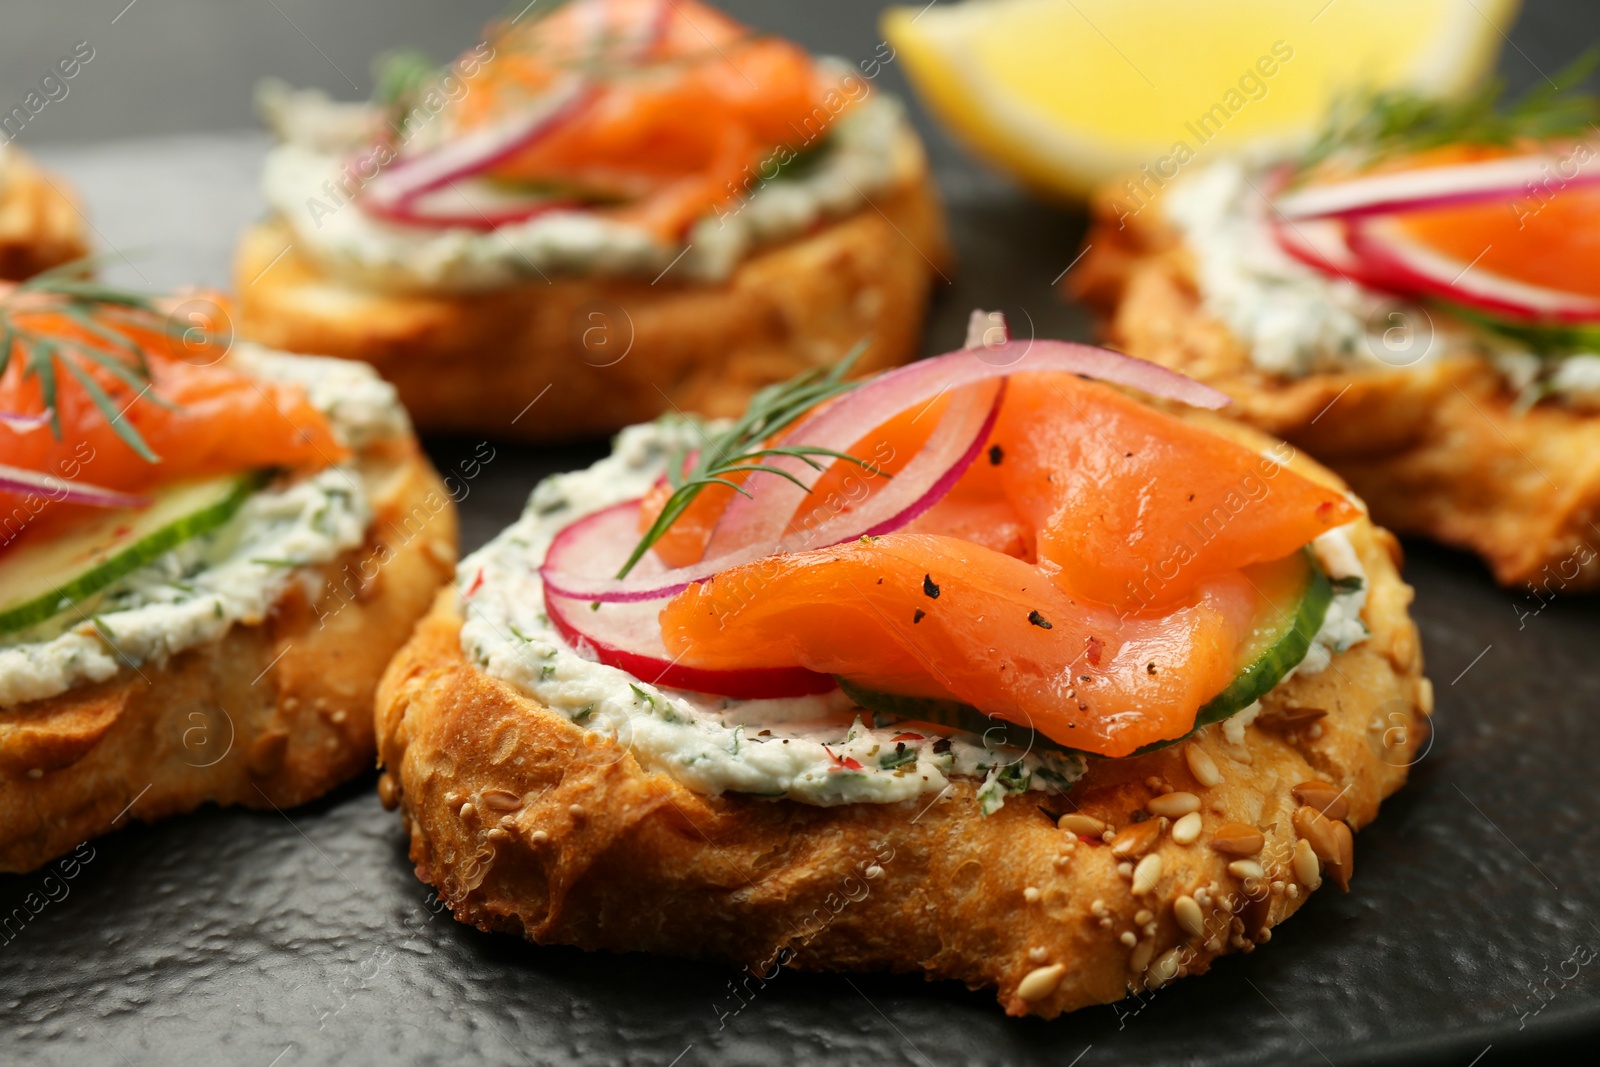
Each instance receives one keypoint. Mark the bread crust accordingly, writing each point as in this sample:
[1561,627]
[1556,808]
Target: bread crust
[1438,450]
[40,223]
[531,825]
[475,362]
[271,715]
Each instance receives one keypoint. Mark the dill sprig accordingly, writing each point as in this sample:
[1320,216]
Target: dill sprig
[101,311]
[1372,126]
[739,448]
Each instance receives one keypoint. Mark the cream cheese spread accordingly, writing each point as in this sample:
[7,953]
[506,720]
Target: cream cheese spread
[234,574]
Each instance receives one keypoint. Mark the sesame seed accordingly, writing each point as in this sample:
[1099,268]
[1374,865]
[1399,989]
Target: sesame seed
[1173,805]
[1245,869]
[873,871]
[574,809]
[1129,938]
[1147,874]
[1142,916]
[1189,916]
[1187,829]
[1141,956]
[1078,823]
[1031,894]
[538,837]
[1097,906]
[466,811]
[1307,868]
[1125,869]
[1202,766]
[1041,982]
[1163,970]
[1038,954]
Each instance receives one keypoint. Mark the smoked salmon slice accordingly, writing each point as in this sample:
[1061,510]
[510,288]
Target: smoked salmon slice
[1096,573]
[690,108]
[198,415]
[936,616]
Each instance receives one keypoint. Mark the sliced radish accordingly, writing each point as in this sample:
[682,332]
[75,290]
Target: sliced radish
[628,636]
[753,528]
[1428,187]
[1405,264]
[21,480]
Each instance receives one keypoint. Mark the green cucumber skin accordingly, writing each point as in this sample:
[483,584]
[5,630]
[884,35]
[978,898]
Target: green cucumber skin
[1257,680]
[1248,686]
[136,555]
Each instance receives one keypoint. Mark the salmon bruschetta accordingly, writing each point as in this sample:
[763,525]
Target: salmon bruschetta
[639,205]
[1415,300]
[982,669]
[208,554]
[40,224]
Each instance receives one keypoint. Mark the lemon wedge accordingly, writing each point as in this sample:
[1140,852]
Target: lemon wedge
[1068,93]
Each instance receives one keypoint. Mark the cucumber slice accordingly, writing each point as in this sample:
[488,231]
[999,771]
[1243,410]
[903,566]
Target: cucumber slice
[1296,595]
[46,577]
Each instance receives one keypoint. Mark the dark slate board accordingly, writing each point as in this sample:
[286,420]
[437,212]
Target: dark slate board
[265,939]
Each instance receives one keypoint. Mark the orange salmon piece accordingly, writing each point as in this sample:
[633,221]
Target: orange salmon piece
[936,616]
[1135,508]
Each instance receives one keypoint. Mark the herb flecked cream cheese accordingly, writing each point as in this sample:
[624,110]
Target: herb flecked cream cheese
[234,574]
[1294,320]
[795,748]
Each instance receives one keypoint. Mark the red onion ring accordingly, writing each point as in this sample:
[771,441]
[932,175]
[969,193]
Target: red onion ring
[1323,244]
[393,191]
[1408,266]
[20,480]
[1423,188]
[756,528]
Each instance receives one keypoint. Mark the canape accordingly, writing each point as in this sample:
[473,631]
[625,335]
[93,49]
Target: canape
[979,669]
[1415,301]
[40,226]
[210,554]
[639,205]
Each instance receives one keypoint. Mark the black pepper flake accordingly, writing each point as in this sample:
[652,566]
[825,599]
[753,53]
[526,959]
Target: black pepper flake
[996,454]
[1150,668]
[942,745]
[1039,620]
[1140,816]
[919,616]
[880,581]
[928,588]
[1191,496]
[1127,455]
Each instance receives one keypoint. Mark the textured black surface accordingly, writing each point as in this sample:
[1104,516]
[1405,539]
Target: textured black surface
[1473,934]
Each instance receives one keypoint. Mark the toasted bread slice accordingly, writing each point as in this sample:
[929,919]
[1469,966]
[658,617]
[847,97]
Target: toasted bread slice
[40,224]
[529,824]
[1441,449]
[271,715]
[614,352]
